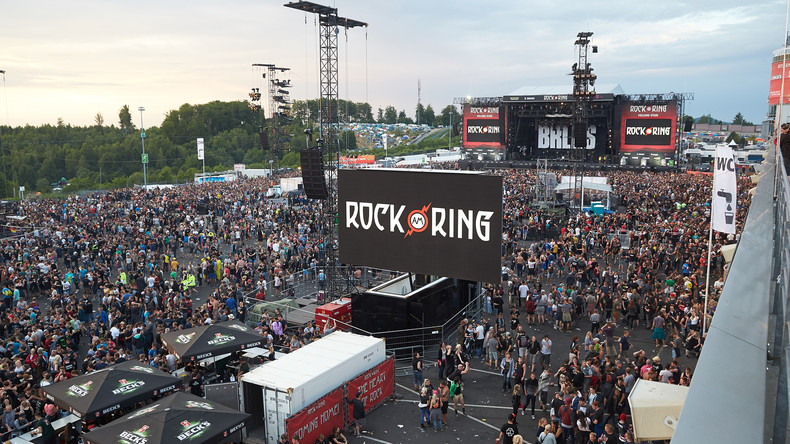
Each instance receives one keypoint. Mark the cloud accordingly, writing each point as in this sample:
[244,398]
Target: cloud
[88,57]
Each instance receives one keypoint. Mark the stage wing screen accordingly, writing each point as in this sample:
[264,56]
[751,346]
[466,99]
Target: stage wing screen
[648,128]
[439,223]
[482,127]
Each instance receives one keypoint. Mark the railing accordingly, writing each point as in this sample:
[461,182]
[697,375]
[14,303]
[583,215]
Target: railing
[305,283]
[402,343]
[739,392]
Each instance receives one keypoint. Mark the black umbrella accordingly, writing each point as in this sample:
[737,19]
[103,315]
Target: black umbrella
[111,388]
[180,417]
[211,340]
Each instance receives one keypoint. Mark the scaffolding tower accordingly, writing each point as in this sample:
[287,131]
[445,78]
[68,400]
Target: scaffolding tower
[329,139]
[583,93]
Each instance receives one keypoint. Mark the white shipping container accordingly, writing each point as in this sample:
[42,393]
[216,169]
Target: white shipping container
[298,379]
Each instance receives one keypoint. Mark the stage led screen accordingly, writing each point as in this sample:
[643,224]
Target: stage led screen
[648,128]
[482,127]
[430,222]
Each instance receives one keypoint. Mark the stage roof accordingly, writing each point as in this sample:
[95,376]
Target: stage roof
[611,88]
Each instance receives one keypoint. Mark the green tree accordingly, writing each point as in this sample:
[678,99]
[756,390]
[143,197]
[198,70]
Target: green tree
[380,116]
[707,119]
[737,138]
[364,113]
[429,117]
[125,119]
[99,119]
[348,140]
[739,120]
[390,115]
[419,114]
[403,118]
[449,116]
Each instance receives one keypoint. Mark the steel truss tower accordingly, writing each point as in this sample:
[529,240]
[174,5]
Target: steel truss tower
[329,140]
[583,92]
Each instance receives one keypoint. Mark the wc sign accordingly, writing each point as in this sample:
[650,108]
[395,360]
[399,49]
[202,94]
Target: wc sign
[725,191]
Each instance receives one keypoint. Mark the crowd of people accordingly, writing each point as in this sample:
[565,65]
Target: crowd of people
[92,280]
[596,279]
[89,281]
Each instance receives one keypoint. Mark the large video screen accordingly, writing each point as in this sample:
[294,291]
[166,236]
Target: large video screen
[430,222]
[648,128]
[482,126]
[552,138]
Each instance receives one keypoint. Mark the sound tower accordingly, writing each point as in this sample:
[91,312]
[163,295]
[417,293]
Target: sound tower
[580,135]
[264,140]
[687,125]
[313,174]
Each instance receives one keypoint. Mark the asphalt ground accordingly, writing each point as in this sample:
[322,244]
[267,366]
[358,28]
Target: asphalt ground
[487,407]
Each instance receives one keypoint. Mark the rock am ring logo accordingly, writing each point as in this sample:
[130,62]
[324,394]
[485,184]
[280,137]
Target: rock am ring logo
[418,220]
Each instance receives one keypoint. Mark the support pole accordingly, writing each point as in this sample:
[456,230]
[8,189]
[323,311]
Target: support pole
[707,278]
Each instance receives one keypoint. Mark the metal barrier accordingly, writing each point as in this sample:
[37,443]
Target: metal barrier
[401,343]
[305,283]
[739,392]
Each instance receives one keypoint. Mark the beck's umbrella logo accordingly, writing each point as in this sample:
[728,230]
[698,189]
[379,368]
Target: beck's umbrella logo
[238,327]
[184,339]
[80,390]
[139,436]
[192,430]
[126,386]
[144,411]
[418,220]
[220,339]
[198,404]
[140,368]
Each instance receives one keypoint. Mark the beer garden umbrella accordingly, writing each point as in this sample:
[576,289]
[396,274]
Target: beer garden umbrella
[180,417]
[211,340]
[112,388]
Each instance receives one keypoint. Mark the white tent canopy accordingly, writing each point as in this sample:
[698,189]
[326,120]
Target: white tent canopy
[567,186]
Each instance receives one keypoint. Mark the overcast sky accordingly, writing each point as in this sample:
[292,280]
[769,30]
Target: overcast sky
[77,58]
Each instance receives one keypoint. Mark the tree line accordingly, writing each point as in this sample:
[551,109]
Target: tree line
[104,156]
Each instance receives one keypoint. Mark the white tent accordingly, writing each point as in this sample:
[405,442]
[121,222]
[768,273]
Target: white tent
[588,183]
[655,409]
[585,185]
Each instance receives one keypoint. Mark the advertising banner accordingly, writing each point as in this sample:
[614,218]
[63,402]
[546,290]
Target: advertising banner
[200,149]
[648,128]
[482,127]
[376,385]
[776,83]
[444,223]
[318,418]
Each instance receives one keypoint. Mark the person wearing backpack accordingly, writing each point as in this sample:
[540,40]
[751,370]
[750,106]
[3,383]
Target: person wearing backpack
[529,307]
[436,411]
[523,341]
[567,420]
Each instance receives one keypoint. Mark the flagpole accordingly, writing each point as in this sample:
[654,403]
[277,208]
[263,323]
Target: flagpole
[707,278]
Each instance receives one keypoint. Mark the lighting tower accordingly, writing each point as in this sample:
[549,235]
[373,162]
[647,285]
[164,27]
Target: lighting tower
[329,139]
[279,105]
[583,93]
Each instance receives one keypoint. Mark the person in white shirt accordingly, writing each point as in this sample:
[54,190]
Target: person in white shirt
[114,332]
